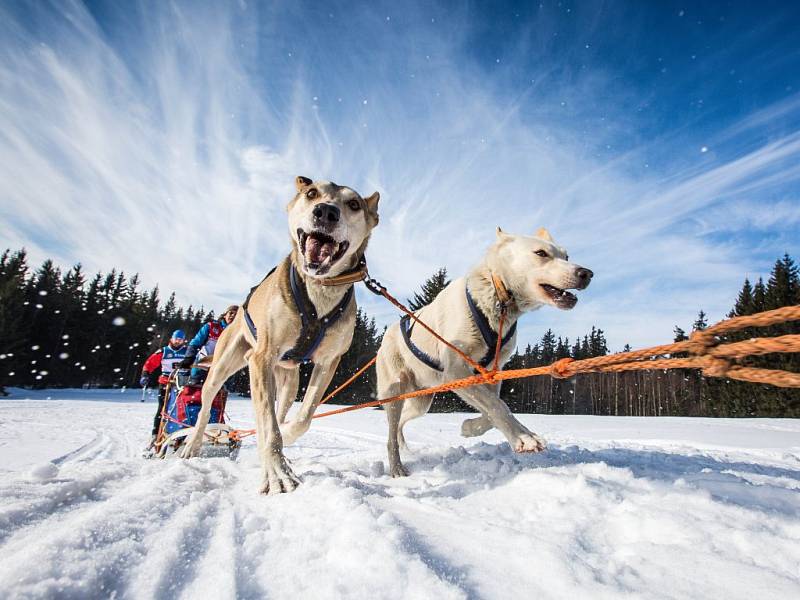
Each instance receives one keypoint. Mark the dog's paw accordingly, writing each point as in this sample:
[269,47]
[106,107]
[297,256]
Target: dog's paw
[279,477]
[475,427]
[398,470]
[529,442]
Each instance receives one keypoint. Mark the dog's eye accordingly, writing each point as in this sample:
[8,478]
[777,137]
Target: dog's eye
[541,253]
[566,257]
[354,205]
[311,194]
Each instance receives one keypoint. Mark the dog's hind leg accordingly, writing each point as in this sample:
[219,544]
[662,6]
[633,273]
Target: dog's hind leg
[412,408]
[229,357]
[393,416]
[392,382]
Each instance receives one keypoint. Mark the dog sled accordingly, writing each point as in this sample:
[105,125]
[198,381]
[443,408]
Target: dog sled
[182,403]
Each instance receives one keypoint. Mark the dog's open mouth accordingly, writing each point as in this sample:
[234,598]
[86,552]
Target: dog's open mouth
[320,251]
[561,298]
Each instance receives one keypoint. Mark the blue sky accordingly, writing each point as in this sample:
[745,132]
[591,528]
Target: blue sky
[659,142]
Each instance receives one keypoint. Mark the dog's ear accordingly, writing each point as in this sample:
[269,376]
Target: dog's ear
[500,233]
[372,205]
[300,182]
[542,233]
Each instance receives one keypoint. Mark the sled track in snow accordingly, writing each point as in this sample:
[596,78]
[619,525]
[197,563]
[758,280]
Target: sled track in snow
[661,519]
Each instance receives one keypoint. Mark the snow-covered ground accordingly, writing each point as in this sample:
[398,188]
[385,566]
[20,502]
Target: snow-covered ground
[617,507]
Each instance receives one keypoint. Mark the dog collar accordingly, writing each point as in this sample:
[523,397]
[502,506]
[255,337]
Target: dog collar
[358,273]
[504,297]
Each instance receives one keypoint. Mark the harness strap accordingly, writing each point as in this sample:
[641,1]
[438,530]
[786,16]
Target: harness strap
[247,318]
[313,329]
[488,334]
[405,328]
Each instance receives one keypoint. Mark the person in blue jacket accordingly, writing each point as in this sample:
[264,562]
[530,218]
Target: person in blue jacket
[204,342]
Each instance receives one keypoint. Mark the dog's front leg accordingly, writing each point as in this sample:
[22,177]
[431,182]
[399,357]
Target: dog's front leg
[476,426]
[319,381]
[278,475]
[288,380]
[497,413]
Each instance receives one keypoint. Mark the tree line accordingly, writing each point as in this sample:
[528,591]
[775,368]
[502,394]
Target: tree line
[58,329]
[63,329]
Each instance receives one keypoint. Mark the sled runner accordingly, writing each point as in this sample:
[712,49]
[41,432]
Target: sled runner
[182,404]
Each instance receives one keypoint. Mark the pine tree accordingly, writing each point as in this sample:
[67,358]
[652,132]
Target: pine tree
[429,290]
[745,302]
[548,351]
[701,322]
[759,296]
[585,350]
[680,335]
[783,287]
[562,348]
[597,343]
[14,330]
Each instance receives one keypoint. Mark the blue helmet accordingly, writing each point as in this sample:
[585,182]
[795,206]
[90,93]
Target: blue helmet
[178,334]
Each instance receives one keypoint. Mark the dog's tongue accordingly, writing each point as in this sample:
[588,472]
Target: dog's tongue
[317,250]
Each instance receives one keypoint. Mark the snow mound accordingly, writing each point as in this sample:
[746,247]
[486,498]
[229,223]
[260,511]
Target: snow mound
[645,508]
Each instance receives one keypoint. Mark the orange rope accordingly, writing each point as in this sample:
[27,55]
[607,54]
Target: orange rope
[710,357]
[355,376]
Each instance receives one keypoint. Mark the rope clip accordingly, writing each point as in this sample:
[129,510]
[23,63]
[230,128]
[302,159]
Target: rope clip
[374,286]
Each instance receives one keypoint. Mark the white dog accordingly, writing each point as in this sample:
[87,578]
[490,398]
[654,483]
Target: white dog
[303,311]
[528,272]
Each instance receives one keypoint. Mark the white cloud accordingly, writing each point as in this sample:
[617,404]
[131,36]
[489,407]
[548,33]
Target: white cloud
[173,155]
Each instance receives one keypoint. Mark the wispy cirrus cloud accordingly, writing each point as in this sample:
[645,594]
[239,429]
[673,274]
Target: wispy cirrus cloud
[165,141]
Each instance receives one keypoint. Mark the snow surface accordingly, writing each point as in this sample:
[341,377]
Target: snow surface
[617,507]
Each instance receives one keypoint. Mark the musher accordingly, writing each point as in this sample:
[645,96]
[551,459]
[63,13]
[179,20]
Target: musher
[167,359]
[202,344]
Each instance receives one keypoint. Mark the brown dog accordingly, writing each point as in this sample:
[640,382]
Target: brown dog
[304,311]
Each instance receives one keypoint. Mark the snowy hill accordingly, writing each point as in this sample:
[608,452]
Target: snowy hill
[617,507]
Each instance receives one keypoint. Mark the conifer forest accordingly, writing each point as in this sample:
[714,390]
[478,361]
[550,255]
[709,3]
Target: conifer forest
[65,328]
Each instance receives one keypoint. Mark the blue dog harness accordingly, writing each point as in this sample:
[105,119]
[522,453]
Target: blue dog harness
[312,329]
[488,334]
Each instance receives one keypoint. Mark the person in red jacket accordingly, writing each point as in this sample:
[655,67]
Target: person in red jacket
[166,359]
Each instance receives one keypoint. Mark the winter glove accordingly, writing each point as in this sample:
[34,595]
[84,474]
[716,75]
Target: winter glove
[144,380]
[188,361]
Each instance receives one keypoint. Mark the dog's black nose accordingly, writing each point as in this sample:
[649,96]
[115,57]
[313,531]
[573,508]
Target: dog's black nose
[585,275]
[326,213]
